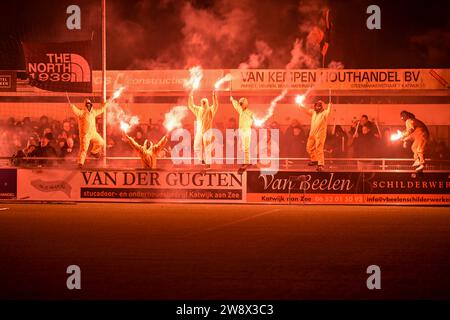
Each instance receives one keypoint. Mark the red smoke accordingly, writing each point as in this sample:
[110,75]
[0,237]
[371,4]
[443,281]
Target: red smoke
[220,34]
[257,59]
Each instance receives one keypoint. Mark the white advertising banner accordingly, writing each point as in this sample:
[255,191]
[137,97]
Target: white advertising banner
[130,185]
[277,79]
[154,80]
[342,79]
[48,185]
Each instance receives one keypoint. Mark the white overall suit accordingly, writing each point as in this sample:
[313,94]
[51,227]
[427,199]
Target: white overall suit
[245,127]
[88,131]
[204,115]
[148,151]
[317,134]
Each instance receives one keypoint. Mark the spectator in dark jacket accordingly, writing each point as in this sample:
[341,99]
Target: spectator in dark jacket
[366,144]
[294,141]
[45,150]
[336,143]
[28,151]
[364,122]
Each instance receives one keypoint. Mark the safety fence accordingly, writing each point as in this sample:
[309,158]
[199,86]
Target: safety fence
[284,163]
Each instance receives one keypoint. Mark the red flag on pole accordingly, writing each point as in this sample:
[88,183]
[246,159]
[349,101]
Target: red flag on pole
[325,43]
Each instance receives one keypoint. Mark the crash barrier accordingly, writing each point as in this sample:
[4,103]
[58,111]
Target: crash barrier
[332,164]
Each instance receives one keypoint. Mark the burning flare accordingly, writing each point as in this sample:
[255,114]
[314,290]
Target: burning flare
[258,122]
[300,99]
[117,93]
[219,82]
[196,75]
[125,126]
[273,104]
[396,136]
[116,116]
[173,118]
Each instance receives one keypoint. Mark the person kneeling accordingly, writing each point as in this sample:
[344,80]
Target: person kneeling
[148,152]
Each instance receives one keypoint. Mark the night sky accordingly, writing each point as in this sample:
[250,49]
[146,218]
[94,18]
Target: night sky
[169,34]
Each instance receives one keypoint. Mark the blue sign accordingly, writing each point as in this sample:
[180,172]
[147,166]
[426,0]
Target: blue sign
[8,184]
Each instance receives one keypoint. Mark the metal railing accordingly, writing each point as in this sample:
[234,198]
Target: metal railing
[284,163]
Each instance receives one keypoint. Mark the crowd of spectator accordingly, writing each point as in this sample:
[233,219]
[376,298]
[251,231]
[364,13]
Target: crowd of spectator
[363,139]
[59,139]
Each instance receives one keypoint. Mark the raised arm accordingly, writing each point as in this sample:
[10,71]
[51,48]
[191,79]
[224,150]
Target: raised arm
[76,111]
[191,105]
[215,101]
[133,143]
[99,111]
[328,109]
[236,105]
[306,109]
[161,144]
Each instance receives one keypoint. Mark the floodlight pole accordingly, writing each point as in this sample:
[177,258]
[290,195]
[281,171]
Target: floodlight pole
[104,76]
